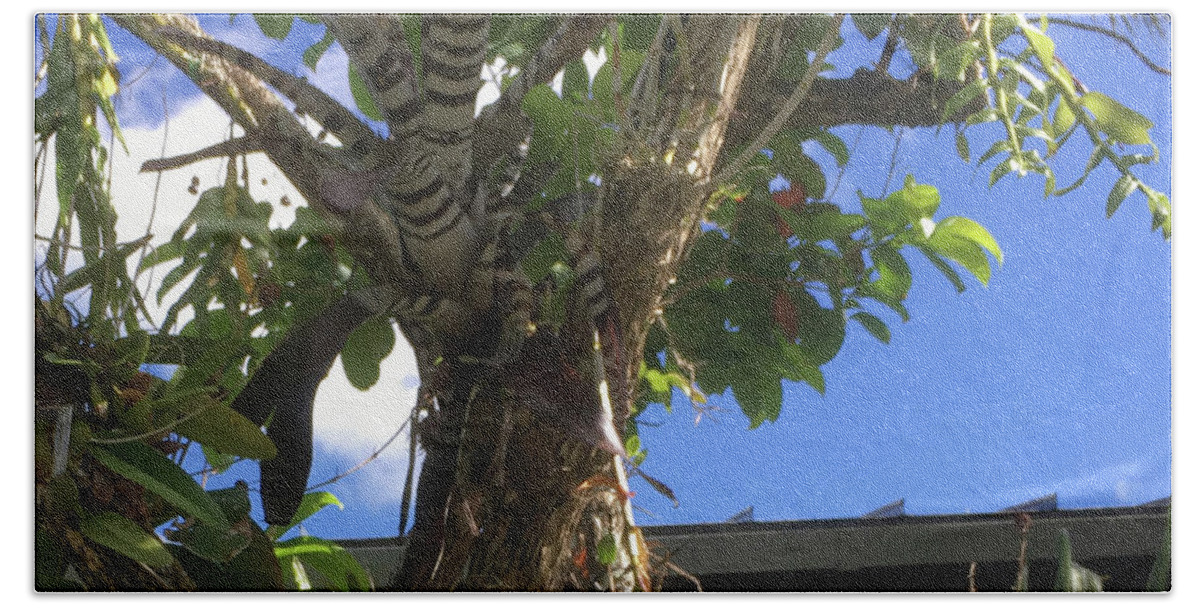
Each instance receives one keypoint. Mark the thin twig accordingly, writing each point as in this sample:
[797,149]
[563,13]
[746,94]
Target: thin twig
[892,165]
[407,493]
[842,170]
[162,152]
[1115,36]
[365,462]
[97,248]
[789,107]
[152,433]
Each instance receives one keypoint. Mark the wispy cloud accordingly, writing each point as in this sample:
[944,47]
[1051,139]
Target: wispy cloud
[1124,483]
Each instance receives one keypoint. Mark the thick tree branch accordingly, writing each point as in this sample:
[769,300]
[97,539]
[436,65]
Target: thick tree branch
[308,98]
[866,98]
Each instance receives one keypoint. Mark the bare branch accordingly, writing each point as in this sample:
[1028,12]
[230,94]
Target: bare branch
[229,147]
[1115,36]
[364,462]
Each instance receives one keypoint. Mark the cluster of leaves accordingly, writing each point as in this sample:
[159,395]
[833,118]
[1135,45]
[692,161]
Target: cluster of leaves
[1037,100]
[111,438]
[767,291]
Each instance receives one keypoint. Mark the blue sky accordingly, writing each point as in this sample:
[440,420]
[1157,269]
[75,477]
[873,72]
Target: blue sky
[1054,378]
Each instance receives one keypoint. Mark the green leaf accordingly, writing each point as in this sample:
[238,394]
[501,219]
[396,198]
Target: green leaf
[551,118]
[1002,169]
[326,558]
[875,325]
[1041,43]
[365,349]
[155,472]
[798,166]
[963,97]
[970,230]
[915,200]
[884,217]
[822,331]
[759,394]
[895,276]
[802,369]
[217,427]
[638,31]
[964,147]
[1123,124]
[309,505]
[362,97]
[871,25]
[1064,117]
[127,538]
[312,55]
[820,224]
[219,545]
[945,268]
[542,258]
[606,550]
[1121,190]
[275,26]
[575,81]
[834,145]
[968,254]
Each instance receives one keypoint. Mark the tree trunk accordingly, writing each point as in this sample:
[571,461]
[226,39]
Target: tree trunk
[517,491]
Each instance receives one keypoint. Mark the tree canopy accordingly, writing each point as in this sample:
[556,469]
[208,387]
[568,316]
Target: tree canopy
[604,234]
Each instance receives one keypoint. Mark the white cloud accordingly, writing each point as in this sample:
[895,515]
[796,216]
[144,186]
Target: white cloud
[1129,482]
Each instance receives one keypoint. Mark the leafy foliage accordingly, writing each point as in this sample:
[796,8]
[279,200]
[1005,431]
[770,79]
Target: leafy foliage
[111,438]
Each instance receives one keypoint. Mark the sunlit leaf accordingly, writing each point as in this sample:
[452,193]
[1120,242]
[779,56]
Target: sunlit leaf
[1041,43]
[309,506]
[970,230]
[967,253]
[218,427]
[326,558]
[915,200]
[368,345]
[1123,124]
[1121,190]
[127,538]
